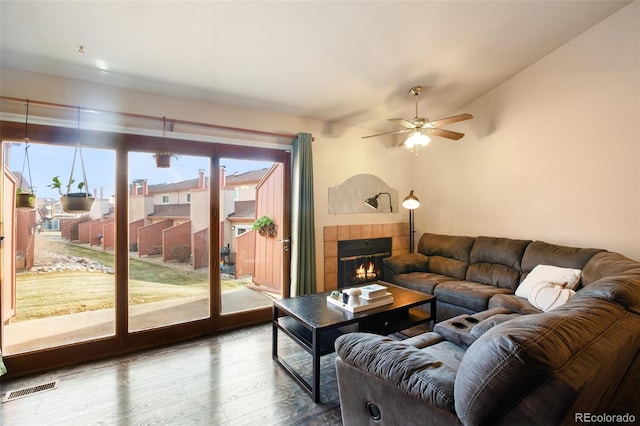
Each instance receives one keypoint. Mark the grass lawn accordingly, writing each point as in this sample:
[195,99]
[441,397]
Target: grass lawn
[41,295]
[61,293]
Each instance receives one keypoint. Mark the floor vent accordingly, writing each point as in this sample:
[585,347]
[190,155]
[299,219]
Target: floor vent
[21,393]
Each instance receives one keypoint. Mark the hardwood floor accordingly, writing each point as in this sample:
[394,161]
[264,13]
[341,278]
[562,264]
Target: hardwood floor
[228,379]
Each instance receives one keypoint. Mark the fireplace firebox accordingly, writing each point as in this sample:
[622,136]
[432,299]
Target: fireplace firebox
[360,261]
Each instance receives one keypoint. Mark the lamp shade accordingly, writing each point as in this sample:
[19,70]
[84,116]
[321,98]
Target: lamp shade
[372,202]
[417,138]
[411,201]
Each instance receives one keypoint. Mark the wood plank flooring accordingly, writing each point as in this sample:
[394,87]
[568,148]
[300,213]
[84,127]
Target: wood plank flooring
[228,379]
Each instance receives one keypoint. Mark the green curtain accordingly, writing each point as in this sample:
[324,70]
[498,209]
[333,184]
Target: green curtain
[303,237]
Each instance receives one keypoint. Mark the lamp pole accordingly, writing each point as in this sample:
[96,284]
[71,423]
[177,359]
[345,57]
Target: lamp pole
[411,232]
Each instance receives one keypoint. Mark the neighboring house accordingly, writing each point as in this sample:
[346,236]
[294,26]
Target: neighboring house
[238,204]
[160,218]
[163,222]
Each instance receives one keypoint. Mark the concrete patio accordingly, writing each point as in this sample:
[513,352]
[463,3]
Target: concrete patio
[65,329]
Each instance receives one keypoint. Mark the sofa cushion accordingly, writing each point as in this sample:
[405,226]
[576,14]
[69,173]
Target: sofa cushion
[513,303]
[420,281]
[541,253]
[487,324]
[621,289]
[405,263]
[448,352]
[448,255]
[605,264]
[496,261]
[471,295]
[413,370]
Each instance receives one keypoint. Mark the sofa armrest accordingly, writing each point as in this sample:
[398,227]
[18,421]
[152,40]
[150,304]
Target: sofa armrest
[405,263]
[413,371]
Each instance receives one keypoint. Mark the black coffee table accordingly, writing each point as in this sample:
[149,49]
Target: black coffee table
[315,325]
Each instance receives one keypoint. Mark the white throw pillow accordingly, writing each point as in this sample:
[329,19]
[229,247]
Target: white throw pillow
[547,295]
[565,277]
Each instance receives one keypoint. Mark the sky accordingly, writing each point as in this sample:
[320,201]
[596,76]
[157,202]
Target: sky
[47,161]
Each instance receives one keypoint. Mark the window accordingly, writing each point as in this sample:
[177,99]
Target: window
[165,199]
[188,197]
[241,229]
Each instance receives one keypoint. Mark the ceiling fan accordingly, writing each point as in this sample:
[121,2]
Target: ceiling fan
[419,127]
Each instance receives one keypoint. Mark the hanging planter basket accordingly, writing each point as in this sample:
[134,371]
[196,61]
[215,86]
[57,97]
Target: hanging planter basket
[163,160]
[25,201]
[268,231]
[265,226]
[77,202]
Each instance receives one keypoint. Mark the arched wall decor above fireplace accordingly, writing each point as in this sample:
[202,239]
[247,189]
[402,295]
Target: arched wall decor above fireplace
[350,196]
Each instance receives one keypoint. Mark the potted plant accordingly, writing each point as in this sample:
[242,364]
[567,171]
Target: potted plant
[25,200]
[73,202]
[265,226]
[163,159]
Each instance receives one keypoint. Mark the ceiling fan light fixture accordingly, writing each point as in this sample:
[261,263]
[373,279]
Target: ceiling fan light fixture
[416,138]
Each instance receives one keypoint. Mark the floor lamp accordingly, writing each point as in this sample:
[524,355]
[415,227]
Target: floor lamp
[411,202]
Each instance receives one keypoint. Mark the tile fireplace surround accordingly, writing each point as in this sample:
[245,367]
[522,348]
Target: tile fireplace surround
[399,233]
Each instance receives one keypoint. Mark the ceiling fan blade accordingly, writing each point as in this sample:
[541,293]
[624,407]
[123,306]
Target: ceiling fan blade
[405,123]
[387,133]
[446,134]
[448,120]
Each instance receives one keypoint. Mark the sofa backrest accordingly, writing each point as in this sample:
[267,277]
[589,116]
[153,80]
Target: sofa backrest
[448,254]
[606,264]
[496,261]
[541,253]
[543,368]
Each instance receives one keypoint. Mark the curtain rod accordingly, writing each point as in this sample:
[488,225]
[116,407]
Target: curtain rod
[150,117]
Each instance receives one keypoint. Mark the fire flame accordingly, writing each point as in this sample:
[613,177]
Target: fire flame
[363,272]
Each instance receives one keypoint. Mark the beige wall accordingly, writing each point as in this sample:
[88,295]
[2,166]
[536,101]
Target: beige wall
[139,207]
[199,215]
[552,154]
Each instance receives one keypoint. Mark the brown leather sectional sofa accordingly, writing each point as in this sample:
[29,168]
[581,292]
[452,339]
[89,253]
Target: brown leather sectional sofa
[494,357]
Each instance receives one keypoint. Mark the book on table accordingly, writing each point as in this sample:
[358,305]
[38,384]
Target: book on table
[363,305]
[373,291]
[378,296]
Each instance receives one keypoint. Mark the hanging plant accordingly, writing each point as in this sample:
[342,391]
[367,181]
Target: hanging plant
[25,198]
[75,202]
[265,226]
[163,159]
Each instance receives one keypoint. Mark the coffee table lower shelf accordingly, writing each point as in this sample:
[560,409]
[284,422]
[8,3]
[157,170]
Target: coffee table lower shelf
[304,337]
[320,342]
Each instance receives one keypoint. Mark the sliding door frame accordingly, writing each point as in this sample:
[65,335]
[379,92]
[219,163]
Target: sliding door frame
[125,341]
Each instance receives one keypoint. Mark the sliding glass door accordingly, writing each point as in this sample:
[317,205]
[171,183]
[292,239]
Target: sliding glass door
[164,253]
[169,230]
[251,234]
[58,282]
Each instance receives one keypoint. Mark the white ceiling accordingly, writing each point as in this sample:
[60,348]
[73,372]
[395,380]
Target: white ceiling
[350,62]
